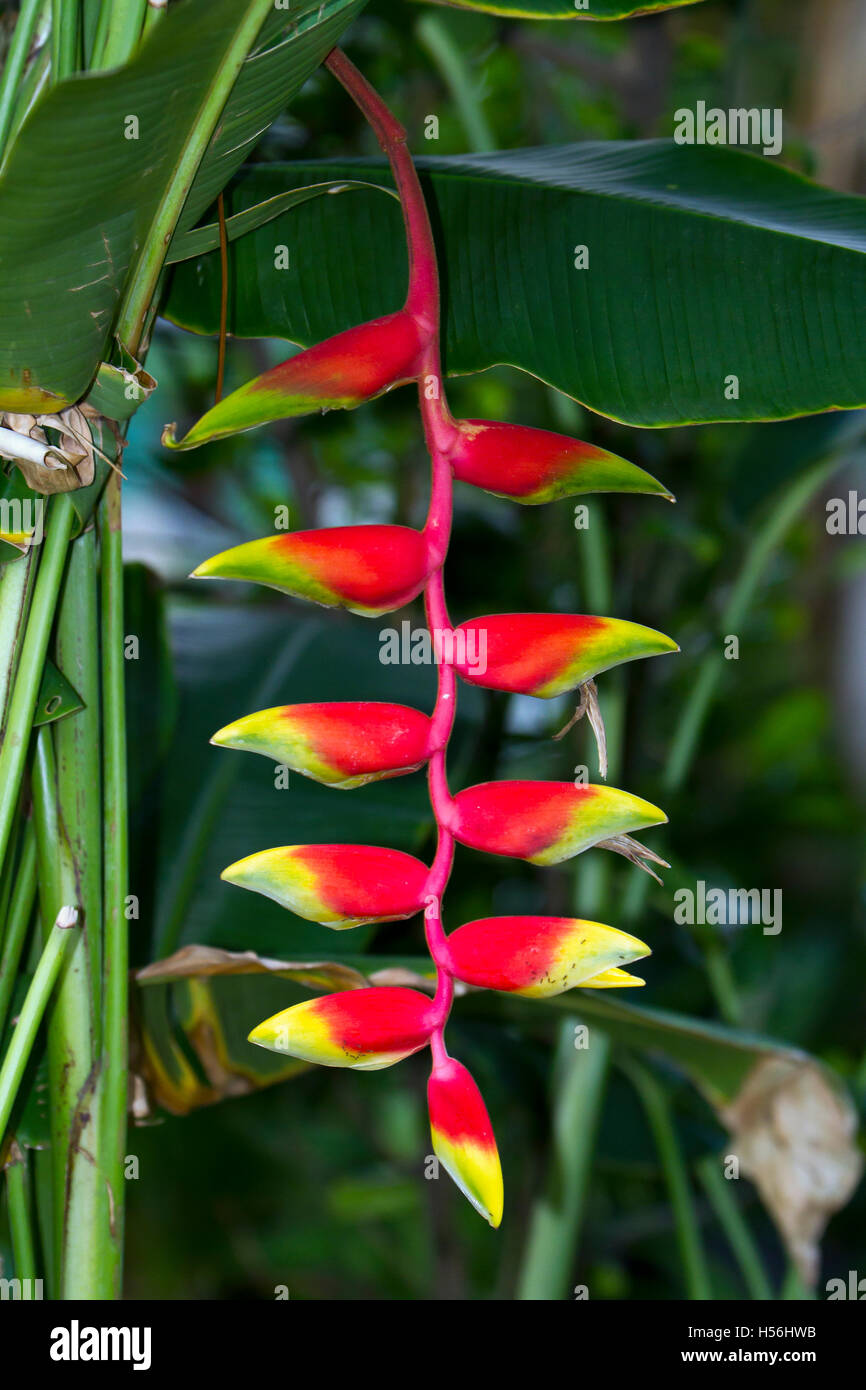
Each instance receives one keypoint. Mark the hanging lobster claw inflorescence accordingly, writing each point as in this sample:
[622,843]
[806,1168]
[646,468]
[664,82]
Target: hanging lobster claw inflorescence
[372,570]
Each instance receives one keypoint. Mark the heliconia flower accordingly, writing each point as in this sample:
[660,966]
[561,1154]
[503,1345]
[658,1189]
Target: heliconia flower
[531,465]
[338,374]
[337,885]
[362,1028]
[539,956]
[368,569]
[342,743]
[463,1139]
[546,822]
[545,654]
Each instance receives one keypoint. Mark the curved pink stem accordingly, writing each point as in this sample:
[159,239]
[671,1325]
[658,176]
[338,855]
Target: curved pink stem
[441,434]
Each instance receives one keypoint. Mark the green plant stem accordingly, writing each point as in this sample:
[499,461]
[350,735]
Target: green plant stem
[79,767]
[686,1223]
[116,957]
[722,982]
[80,1199]
[31,660]
[57,945]
[75,1027]
[14,595]
[64,38]
[578,1092]
[43,1185]
[118,33]
[719,1191]
[18,921]
[436,38]
[16,58]
[21,1216]
[142,283]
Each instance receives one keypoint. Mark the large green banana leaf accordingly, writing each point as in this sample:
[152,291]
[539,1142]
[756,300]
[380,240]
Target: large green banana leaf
[718,285]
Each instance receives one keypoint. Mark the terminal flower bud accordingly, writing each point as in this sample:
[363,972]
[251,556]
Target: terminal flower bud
[539,956]
[370,570]
[531,465]
[463,1139]
[545,654]
[362,1028]
[342,743]
[547,822]
[337,885]
[338,374]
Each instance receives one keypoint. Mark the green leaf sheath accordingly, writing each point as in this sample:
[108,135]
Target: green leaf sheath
[115,989]
[57,944]
[17,921]
[678,238]
[34,644]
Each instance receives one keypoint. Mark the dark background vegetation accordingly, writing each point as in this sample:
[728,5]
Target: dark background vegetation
[317,1184]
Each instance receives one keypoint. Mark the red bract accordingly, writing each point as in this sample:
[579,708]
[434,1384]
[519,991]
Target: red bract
[339,373]
[368,569]
[463,1139]
[342,743]
[337,885]
[546,822]
[540,956]
[365,1028]
[545,654]
[531,465]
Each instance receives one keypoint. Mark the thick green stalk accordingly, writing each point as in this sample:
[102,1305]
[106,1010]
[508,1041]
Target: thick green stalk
[21,1216]
[81,1206]
[64,38]
[19,47]
[118,36]
[58,942]
[556,1219]
[116,957]
[19,723]
[14,594]
[18,921]
[724,1203]
[143,282]
[686,1223]
[79,766]
[75,1029]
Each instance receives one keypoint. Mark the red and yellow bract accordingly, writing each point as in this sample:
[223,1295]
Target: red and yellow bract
[463,1138]
[532,465]
[341,743]
[545,654]
[540,956]
[370,570]
[340,373]
[337,885]
[365,1028]
[546,822]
